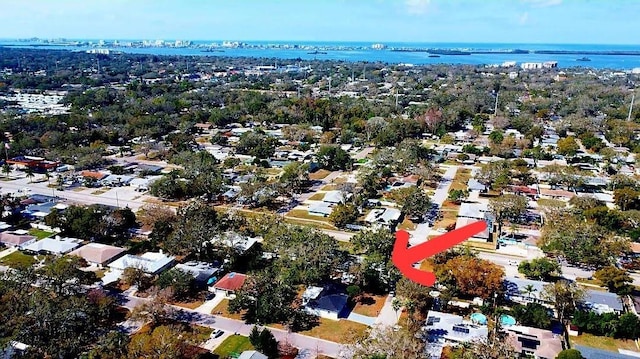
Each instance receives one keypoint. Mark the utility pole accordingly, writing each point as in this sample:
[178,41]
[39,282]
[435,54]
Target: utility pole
[633,97]
[495,108]
[397,96]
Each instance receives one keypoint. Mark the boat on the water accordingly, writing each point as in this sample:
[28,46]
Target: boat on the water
[434,55]
[317,53]
[584,59]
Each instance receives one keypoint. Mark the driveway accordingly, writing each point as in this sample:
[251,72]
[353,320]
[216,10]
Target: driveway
[208,306]
[387,316]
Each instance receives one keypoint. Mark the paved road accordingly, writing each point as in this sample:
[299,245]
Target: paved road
[339,235]
[421,233]
[309,347]
[511,262]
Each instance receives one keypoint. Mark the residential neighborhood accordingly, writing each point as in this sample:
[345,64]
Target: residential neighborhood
[155,204]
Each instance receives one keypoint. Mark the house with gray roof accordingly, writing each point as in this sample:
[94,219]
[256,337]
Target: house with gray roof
[595,300]
[387,217]
[324,303]
[474,185]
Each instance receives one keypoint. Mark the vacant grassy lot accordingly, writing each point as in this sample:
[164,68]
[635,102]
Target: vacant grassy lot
[304,214]
[407,225]
[340,331]
[235,344]
[460,180]
[554,203]
[223,308]
[39,233]
[317,197]
[319,174]
[18,260]
[605,343]
[370,305]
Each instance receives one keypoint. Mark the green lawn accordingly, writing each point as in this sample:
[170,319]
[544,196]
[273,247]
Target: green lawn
[317,197]
[18,260]
[235,344]
[606,343]
[39,233]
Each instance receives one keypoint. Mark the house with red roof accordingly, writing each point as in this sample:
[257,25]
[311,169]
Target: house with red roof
[229,284]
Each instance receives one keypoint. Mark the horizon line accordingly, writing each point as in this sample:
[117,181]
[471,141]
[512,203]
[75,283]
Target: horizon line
[319,41]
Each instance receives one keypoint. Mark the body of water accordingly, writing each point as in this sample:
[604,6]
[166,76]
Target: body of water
[354,52]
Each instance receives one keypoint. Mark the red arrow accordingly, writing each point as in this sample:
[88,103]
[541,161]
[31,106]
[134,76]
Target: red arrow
[404,257]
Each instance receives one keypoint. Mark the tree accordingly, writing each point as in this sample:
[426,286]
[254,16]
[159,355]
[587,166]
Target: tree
[134,276]
[458,195]
[495,175]
[568,146]
[615,279]
[194,231]
[6,169]
[179,281]
[343,214]
[29,173]
[496,137]
[532,315]
[164,342]
[565,296]
[471,276]
[257,144]
[385,342]
[374,241]
[626,198]
[263,300]
[415,203]
[156,311]
[580,242]
[508,207]
[295,176]
[570,354]
[540,269]
[264,342]
[333,158]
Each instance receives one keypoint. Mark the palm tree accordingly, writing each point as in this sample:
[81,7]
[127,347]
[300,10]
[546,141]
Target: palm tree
[396,304]
[529,289]
[29,173]
[6,169]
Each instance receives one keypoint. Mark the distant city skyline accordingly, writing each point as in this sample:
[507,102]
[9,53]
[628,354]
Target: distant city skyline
[459,21]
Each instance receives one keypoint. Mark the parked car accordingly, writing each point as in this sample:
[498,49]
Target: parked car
[217,333]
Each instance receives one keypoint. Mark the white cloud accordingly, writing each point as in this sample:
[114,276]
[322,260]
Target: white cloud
[543,3]
[417,7]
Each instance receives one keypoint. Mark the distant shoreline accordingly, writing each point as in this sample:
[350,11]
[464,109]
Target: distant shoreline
[569,56]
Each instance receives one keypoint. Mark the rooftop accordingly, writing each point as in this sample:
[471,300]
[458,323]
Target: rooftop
[97,252]
[55,245]
[231,282]
[150,262]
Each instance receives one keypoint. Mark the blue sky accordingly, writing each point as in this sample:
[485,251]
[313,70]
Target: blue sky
[505,21]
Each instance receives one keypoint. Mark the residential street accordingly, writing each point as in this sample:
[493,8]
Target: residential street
[309,347]
[421,233]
